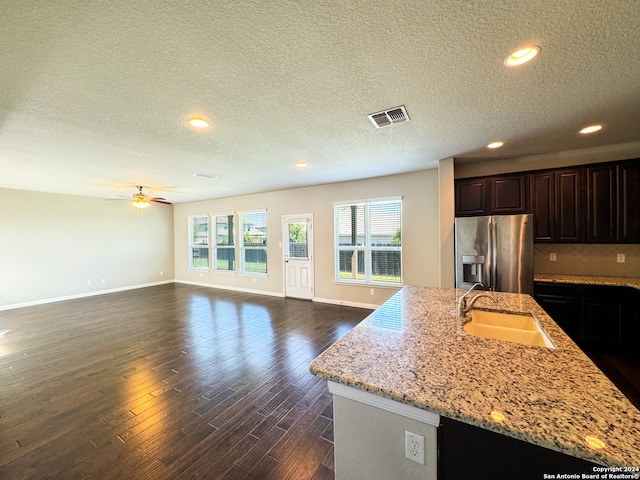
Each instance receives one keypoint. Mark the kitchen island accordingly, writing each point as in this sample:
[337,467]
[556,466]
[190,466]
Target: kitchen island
[414,352]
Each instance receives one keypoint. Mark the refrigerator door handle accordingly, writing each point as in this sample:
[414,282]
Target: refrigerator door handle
[490,256]
[494,262]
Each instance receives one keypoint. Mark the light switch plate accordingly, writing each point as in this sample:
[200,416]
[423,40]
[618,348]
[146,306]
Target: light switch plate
[552,257]
[620,258]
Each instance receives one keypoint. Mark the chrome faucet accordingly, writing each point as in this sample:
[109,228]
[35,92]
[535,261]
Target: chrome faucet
[463,309]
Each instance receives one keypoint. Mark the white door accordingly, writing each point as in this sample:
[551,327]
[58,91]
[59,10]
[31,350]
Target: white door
[298,255]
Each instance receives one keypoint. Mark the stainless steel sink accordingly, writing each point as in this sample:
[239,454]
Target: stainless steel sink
[509,327]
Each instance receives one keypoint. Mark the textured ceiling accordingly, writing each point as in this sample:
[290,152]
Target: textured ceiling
[95,95]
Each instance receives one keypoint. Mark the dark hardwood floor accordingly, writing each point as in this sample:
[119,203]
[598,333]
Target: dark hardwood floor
[172,381]
[622,370]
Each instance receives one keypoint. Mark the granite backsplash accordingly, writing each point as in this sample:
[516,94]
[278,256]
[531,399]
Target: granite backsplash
[587,259]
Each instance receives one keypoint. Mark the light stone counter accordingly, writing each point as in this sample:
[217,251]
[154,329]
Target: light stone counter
[588,280]
[414,350]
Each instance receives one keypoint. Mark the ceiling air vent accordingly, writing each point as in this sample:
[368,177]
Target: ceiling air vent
[389,117]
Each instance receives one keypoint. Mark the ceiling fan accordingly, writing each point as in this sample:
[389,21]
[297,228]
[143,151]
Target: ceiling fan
[142,200]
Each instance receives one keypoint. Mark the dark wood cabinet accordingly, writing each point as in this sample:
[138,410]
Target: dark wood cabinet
[598,318]
[596,203]
[471,197]
[568,205]
[610,318]
[467,451]
[508,195]
[543,206]
[601,204]
[628,174]
[562,303]
[499,195]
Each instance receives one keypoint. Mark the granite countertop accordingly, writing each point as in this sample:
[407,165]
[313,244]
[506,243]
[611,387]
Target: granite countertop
[588,280]
[414,350]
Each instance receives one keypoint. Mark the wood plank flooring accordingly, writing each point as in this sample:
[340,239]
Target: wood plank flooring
[167,382]
[622,370]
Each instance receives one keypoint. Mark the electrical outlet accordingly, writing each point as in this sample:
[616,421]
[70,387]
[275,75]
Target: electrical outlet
[103,281]
[414,447]
[89,282]
[161,274]
[620,257]
[371,291]
[552,257]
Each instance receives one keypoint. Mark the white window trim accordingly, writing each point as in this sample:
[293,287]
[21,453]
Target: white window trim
[366,249]
[241,214]
[190,246]
[214,246]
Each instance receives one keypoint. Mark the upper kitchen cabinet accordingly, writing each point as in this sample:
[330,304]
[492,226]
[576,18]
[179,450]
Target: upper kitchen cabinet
[508,194]
[556,204]
[471,197]
[543,206]
[628,176]
[601,204]
[613,196]
[568,209]
[499,195]
[595,203]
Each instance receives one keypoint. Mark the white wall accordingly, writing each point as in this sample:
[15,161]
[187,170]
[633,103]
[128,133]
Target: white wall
[447,220]
[478,168]
[369,443]
[420,235]
[51,245]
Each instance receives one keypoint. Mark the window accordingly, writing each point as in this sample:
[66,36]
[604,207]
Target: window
[253,252]
[224,246]
[199,241]
[368,244]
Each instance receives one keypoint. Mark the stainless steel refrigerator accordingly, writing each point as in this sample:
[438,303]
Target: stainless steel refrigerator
[497,251]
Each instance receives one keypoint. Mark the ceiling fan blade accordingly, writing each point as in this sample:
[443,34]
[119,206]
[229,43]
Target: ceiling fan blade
[157,200]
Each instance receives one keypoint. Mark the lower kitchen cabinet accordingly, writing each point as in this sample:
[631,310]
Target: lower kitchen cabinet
[466,451]
[600,318]
[562,303]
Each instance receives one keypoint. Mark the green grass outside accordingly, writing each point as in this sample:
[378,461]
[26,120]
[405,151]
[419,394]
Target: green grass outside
[374,278]
[250,267]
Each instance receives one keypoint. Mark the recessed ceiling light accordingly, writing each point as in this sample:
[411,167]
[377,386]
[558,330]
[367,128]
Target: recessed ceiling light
[495,145]
[301,164]
[591,129]
[198,122]
[522,55]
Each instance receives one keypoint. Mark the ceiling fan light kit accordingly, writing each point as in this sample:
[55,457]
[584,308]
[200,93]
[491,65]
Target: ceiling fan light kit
[142,200]
[140,203]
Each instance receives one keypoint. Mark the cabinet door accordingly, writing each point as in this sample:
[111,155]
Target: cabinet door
[562,304]
[629,202]
[542,206]
[568,185]
[602,323]
[466,451]
[601,204]
[471,197]
[508,194]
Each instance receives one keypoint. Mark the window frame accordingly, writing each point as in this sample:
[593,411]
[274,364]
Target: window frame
[192,245]
[214,243]
[243,248]
[366,248]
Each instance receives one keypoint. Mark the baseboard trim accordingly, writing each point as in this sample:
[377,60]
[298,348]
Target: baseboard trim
[80,295]
[346,303]
[234,289]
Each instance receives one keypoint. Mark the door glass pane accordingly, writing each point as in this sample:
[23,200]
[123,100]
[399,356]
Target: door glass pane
[298,245]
